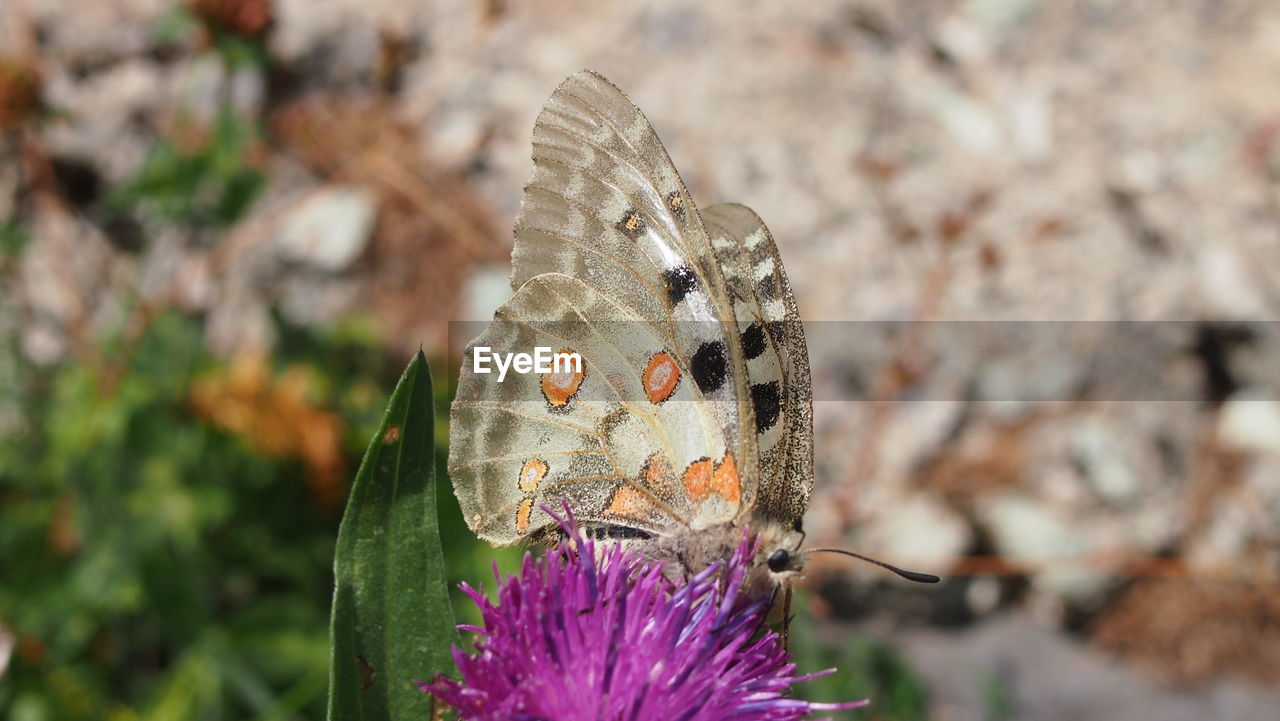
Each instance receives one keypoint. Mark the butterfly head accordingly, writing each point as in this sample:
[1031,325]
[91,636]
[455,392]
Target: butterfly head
[780,551]
[782,561]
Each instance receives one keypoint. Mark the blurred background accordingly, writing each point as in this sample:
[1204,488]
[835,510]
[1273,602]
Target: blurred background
[225,225]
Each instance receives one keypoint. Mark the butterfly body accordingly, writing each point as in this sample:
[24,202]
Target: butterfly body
[690,417]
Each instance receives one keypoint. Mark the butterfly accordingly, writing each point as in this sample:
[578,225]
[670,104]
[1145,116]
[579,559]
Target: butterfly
[689,415]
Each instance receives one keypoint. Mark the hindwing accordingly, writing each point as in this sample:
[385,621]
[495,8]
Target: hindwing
[771,337]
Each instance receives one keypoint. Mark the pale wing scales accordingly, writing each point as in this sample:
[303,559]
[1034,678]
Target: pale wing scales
[605,205]
[604,437]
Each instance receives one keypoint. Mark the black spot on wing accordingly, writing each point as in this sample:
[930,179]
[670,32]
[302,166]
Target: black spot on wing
[768,287]
[710,366]
[767,400]
[753,341]
[681,281]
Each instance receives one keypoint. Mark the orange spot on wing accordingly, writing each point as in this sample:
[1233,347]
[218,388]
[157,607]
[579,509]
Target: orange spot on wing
[531,474]
[522,515]
[660,377]
[659,476]
[725,479]
[697,479]
[559,387]
[628,502]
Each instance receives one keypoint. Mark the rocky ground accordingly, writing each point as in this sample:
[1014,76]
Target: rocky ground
[1109,481]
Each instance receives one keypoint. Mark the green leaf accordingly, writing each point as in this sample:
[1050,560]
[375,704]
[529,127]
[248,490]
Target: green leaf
[392,622]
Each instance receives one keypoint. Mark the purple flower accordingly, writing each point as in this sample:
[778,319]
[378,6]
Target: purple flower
[575,639]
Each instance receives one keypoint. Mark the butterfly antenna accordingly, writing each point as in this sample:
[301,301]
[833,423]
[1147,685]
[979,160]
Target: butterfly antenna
[904,573]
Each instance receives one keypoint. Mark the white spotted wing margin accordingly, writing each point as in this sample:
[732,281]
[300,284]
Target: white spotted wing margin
[777,360]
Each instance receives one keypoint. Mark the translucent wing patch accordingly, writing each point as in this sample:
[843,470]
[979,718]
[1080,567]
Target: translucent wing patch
[771,337]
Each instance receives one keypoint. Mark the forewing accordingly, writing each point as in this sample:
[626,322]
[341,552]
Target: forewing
[771,339]
[607,206]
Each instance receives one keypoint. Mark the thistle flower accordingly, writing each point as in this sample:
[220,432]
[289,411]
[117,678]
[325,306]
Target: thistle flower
[576,638]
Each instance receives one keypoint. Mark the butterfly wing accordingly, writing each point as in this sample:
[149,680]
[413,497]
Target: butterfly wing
[607,206]
[777,362]
[653,430]
[589,435]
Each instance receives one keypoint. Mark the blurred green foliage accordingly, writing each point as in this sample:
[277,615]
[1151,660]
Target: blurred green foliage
[236,51]
[153,563]
[13,237]
[866,668]
[996,696]
[154,566]
[203,175]
[157,567]
[199,182]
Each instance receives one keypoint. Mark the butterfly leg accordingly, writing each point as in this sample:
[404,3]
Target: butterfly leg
[786,618]
[764,619]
